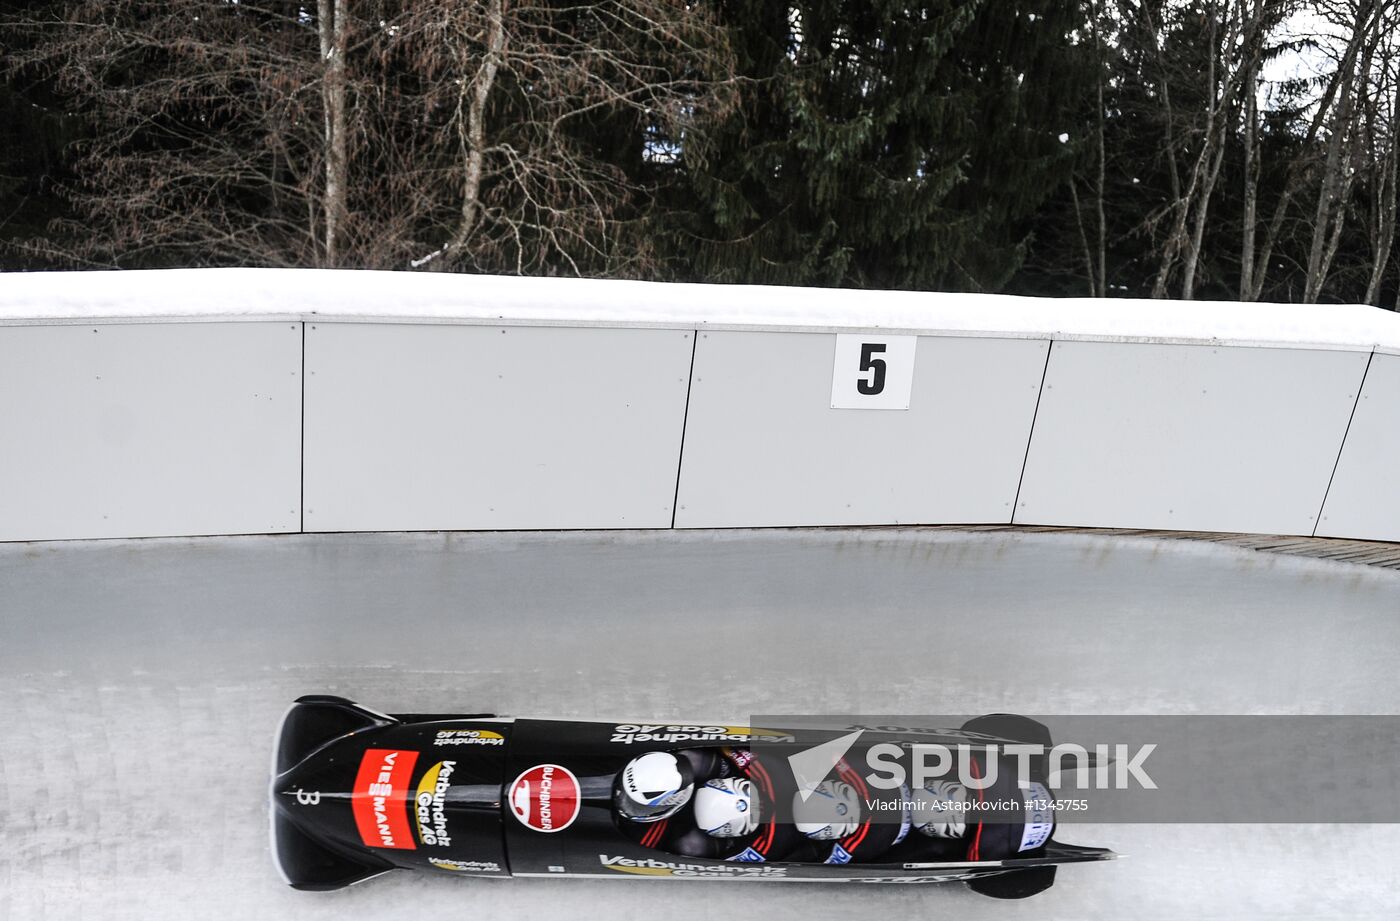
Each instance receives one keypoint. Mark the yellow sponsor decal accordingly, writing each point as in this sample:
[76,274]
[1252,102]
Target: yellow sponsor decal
[631,733]
[750,731]
[468,737]
[645,871]
[430,804]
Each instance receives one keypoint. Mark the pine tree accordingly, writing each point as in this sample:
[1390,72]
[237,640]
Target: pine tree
[882,144]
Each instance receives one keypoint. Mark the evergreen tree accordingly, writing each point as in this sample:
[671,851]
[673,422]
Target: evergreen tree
[883,144]
[35,136]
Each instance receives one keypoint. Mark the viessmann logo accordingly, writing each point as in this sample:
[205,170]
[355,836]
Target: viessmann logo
[380,798]
[545,798]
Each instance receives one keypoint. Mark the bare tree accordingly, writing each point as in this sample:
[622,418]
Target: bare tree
[1235,33]
[1338,170]
[1249,140]
[1300,168]
[501,135]
[532,80]
[193,154]
[1381,105]
[1096,256]
[332,26]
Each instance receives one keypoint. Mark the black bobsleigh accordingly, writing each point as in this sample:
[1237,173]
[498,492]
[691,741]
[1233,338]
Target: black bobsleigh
[356,793]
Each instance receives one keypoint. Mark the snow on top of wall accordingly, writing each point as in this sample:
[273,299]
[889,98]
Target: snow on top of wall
[335,295]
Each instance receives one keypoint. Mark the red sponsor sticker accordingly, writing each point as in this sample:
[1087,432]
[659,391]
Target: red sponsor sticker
[545,798]
[380,798]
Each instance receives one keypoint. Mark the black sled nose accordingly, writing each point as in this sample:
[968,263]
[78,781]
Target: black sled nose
[311,865]
[316,720]
[307,859]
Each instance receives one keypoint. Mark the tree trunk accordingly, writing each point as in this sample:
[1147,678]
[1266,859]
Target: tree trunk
[1386,192]
[1159,288]
[1251,27]
[1296,168]
[332,25]
[1339,219]
[1102,278]
[1336,173]
[1250,140]
[1328,195]
[1203,170]
[1198,229]
[1213,110]
[471,135]
[1382,114]
[1089,273]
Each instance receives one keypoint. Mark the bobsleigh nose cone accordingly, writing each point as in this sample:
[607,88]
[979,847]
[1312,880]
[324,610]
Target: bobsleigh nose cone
[308,785]
[289,790]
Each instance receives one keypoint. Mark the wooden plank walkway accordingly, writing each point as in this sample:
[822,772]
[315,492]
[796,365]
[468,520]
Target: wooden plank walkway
[1364,552]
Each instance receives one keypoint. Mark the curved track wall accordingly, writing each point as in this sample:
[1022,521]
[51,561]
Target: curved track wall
[251,401]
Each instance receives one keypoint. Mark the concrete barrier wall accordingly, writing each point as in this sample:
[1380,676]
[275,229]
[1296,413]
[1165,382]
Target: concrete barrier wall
[1188,437]
[764,446]
[139,430]
[1364,499]
[544,404]
[413,428]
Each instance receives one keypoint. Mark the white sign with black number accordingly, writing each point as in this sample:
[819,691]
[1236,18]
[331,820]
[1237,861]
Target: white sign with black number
[873,371]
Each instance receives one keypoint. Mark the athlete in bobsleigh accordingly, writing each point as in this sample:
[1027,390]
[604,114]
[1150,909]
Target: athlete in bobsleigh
[704,802]
[850,821]
[856,823]
[720,803]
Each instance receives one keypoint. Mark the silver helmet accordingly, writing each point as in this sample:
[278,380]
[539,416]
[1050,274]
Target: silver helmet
[653,786]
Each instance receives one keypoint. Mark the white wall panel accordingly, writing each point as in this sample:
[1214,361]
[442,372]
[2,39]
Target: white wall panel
[1187,437]
[440,427]
[149,429]
[1364,501]
[764,447]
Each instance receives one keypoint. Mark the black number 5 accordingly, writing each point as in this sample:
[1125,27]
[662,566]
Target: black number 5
[868,362]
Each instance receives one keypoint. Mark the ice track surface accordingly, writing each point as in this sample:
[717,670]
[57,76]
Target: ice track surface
[141,682]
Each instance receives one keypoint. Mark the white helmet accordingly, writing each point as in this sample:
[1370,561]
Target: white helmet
[727,808]
[653,786]
[831,812]
[940,809]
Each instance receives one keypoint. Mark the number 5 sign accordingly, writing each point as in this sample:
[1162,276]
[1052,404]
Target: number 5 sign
[873,371]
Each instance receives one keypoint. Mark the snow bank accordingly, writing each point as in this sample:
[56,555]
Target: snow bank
[356,296]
